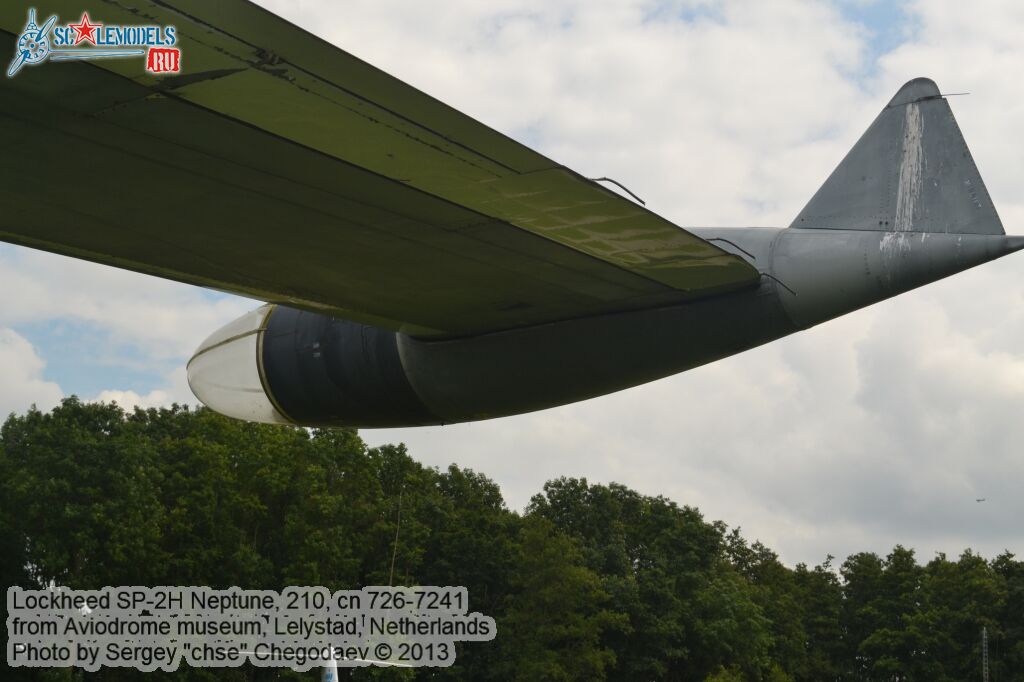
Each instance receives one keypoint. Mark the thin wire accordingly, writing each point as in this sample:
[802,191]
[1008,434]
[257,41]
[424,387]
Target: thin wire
[623,187]
[398,527]
[734,244]
[776,279]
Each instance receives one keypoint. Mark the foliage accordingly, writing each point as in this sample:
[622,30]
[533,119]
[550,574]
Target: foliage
[592,582]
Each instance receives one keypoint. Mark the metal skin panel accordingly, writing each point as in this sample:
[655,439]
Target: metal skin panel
[279,167]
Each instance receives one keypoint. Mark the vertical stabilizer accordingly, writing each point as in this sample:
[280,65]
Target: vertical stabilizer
[910,172]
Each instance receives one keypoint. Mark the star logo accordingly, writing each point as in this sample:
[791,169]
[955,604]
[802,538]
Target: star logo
[85,29]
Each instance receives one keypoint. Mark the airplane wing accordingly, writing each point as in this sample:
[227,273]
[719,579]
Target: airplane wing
[280,167]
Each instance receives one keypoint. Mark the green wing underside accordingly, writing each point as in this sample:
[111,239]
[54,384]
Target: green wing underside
[282,168]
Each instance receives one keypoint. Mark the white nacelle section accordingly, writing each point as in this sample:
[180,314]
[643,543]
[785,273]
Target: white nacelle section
[224,371]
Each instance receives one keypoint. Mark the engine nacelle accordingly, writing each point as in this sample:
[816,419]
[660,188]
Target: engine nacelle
[280,365]
[285,366]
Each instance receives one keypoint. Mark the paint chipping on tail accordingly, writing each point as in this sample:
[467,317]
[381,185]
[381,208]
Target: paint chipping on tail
[908,188]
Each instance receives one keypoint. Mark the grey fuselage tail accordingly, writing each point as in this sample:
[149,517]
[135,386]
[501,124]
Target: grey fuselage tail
[904,208]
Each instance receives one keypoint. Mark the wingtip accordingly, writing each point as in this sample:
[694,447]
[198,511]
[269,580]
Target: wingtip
[914,90]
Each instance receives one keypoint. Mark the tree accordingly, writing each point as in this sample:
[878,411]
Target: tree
[557,616]
[665,569]
[962,597]
[777,595]
[84,488]
[593,582]
[821,595]
[1010,664]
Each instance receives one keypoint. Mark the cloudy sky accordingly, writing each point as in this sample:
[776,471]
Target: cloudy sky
[878,428]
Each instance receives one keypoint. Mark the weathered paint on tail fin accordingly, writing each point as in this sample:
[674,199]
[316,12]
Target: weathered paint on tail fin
[910,172]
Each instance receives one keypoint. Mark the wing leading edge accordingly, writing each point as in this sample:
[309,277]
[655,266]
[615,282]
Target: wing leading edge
[280,167]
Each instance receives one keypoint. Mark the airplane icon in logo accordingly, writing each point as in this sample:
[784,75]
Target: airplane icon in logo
[33,44]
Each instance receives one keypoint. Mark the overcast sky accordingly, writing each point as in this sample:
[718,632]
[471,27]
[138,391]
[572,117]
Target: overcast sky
[877,428]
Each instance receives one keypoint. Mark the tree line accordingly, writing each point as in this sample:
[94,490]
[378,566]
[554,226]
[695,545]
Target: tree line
[589,582]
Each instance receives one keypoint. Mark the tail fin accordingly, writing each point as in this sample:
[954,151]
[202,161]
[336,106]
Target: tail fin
[910,172]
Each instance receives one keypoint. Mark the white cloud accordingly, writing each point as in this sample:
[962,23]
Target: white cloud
[176,391]
[852,436]
[21,369]
[711,122]
[878,428]
[142,322]
[159,318]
